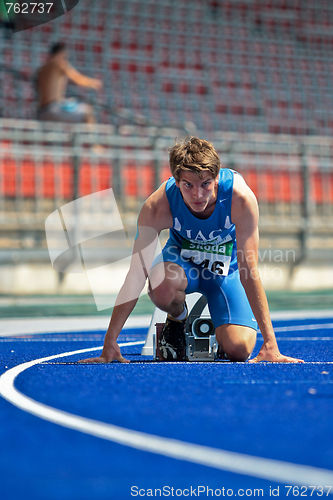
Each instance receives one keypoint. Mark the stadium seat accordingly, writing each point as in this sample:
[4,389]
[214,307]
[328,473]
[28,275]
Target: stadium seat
[285,52]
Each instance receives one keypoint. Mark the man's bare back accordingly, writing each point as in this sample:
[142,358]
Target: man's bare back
[51,82]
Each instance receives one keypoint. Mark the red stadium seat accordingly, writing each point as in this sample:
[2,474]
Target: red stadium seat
[168,87]
[8,174]
[322,187]
[139,180]
[94,177]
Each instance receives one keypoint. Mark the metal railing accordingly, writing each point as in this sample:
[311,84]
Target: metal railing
[45,165]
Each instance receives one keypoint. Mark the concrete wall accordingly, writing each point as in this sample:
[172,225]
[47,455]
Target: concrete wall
[41,278]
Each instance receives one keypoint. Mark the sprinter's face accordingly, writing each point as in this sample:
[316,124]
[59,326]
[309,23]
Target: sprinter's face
[199,193]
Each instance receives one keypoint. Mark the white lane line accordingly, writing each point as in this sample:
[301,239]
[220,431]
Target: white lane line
[279,339]
[315,326]
[302,314]
[56,324]
[94,339]
[313,363]
[87,338]
[304,338]
[263,468]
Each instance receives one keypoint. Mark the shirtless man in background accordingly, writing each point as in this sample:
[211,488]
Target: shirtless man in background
[51,84]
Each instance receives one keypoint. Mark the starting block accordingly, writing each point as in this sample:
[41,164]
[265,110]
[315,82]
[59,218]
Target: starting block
[201,344]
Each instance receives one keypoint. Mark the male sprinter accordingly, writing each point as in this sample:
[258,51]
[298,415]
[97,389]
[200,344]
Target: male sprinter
[207,209]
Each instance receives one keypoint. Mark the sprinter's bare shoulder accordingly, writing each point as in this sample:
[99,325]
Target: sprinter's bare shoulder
[155,211]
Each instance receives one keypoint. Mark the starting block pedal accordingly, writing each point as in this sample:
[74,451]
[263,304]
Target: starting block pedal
[200,340]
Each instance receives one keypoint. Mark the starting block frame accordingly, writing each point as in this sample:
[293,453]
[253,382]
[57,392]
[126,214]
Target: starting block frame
[198,346]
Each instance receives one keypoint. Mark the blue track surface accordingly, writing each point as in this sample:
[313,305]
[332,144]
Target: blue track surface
[283,412]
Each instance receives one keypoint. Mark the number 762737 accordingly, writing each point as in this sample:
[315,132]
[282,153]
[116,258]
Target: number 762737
[29,7]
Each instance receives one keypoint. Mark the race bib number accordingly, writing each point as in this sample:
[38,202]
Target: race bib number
[215,257]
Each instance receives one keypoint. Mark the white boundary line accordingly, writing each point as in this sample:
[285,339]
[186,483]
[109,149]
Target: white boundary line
[296,328]
[85,338]
[292,339]
[302,314]
[238,463]
[55,324]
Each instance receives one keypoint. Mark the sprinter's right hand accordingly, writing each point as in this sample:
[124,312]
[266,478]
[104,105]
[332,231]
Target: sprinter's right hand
[109,354]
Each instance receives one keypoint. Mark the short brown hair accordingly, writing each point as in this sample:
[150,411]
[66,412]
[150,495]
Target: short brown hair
[195,155]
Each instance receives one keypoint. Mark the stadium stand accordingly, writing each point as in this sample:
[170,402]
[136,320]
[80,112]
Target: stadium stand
[254,76]
[241,65]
